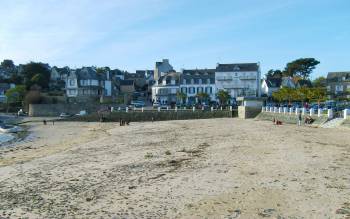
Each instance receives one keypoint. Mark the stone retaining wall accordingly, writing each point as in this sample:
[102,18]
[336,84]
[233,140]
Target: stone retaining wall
[57,109]
[138,116]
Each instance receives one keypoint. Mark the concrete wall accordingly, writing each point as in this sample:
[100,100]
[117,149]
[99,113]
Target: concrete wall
[138,116]
[245,112]
[57,109]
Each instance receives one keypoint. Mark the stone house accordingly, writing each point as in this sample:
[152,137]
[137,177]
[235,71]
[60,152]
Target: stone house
[338,84]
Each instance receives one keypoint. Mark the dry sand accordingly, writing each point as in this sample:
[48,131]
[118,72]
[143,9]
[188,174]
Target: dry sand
[219,168]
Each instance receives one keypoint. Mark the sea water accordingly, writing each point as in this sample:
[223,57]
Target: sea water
[5,138]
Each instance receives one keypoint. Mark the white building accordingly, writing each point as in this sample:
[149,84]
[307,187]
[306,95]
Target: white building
[270,85]
[240,80]
[165,89]
[196,81]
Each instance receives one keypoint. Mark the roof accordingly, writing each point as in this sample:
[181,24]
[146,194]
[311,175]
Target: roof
[273,82]
[64,70]
[87,73]
[5,86]
[304,83]
[334,75]
[198,74]
[239,67]
[170,76]
[126,82]
[135,75]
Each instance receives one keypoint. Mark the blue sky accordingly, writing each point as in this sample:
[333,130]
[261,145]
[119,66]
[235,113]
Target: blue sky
[134,34]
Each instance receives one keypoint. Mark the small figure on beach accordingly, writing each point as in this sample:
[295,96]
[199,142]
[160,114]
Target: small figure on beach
[276,121]
[299,119]
[121,122]
[309,120]
[152,119]
[53,122]
[44,122]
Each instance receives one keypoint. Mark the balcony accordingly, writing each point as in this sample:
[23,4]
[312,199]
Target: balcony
[227,78]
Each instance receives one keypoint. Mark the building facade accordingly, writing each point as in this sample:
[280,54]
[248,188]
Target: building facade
[162,68]
[270,85]
[165,89]
[197,81]
[85,85]
[338,84]
[240,80]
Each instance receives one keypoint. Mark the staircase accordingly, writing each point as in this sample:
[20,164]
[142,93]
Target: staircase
[333,123]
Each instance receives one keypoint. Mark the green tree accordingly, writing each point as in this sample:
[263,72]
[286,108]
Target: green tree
[202,97]
[181,97]
[36,74]
[319,82]
[278,96]
[274,74]
[7,64]
[16,95]
[288,94]
[301,67]
[318,94]
[102,70]
[304,94]
[223,96]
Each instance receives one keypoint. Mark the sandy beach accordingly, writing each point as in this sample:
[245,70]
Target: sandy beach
[218,168]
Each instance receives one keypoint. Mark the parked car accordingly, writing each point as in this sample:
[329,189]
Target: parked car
[138,103]
[65,115]
[81,113]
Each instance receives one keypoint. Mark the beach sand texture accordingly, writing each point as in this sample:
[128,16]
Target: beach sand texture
[217,168]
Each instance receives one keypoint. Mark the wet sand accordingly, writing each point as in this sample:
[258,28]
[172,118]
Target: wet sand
[218,168]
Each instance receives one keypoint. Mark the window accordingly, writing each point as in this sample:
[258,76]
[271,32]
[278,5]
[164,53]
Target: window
[192,81]
[192,90]
[199,90]
[184,81]
[199,81]
[184,90]
[208,90]
[71,82]
[208,81]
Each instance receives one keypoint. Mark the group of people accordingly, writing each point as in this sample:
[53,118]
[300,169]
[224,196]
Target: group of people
[307,120]
[124,122]
[276,121]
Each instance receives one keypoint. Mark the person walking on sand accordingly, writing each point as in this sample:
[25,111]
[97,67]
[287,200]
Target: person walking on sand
[299,118]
